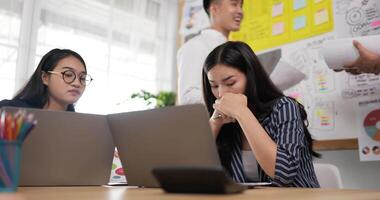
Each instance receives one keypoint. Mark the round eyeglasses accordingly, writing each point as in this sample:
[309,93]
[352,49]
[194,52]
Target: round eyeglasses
[69,76]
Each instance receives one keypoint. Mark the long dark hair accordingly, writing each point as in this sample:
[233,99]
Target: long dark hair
[261,93]
[35,92]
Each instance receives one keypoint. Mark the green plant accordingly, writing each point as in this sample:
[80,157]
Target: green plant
[162,99]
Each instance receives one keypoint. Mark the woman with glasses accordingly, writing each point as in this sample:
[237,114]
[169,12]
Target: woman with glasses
[58,82]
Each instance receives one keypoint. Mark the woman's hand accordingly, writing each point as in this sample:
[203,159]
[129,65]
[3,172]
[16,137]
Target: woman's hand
[231,105]
[217,120]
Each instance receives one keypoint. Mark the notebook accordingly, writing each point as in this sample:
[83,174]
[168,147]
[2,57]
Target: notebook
[166,137]
[66,148]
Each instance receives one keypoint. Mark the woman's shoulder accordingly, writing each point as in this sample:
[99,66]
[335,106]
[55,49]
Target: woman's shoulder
[15,103]
[285,102]
[283,109]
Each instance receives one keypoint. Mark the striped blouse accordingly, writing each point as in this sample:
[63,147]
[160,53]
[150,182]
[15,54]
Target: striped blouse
[294,166]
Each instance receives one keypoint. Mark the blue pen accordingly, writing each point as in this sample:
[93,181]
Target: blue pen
[26,127]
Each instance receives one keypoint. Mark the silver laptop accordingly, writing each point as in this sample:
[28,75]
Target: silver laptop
[66,148]
[172,136]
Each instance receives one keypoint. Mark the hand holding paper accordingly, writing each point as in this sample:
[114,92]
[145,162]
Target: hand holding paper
[342,54]
[368,62]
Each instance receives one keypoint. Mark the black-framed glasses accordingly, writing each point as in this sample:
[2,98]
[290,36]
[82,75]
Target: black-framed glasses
[69,76]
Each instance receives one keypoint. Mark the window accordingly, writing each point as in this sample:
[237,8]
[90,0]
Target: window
[152,10]
[10,20]
[120,40]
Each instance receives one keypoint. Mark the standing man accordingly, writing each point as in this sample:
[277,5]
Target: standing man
[225,16]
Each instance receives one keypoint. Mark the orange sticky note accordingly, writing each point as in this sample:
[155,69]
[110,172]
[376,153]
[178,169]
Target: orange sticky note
[321,17]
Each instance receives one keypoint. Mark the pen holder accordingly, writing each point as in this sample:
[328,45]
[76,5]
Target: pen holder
[10,152]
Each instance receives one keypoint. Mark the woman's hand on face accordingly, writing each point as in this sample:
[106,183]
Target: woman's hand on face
[231,104]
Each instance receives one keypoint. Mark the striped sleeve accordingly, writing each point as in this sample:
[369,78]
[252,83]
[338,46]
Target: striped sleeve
[289,138]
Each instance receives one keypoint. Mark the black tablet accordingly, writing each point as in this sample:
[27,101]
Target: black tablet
[196,180]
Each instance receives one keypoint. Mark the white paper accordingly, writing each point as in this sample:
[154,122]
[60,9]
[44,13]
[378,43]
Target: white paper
[117,171]
[320,92]
[323,116]
[194,18]
[340,52]
[359,86]
[284,76]
[355,18]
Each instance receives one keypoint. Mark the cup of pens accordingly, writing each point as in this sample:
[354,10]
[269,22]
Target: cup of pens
[14,128]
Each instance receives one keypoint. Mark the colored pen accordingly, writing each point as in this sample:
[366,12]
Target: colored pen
[2,122]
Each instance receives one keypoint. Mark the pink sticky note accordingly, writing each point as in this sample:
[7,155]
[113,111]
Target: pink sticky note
[278,28]
[277,9]
[375,23]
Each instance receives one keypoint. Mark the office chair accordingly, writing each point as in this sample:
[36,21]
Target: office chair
[328,175]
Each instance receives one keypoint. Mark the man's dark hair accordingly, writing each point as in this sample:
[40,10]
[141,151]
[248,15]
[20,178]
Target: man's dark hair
[206,5]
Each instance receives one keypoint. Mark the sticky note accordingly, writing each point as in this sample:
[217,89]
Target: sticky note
[299,22]
[298,4]
[278,28]
[277,9]
[321,16]
[375,23]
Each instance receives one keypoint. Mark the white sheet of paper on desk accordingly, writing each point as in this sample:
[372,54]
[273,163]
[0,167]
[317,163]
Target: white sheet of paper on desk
[284,76]
[340,52]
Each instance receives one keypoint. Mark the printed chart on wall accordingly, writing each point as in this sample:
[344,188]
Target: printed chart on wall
[369,134]
[357,18]
[270,23]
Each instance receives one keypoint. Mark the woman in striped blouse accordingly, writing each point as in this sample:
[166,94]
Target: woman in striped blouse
[260,133]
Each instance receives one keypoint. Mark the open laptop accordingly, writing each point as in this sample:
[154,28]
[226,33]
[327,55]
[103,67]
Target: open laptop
[66,148]
[166,137]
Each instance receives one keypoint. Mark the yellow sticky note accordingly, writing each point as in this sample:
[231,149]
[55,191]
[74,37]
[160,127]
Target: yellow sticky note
[321,16]
[277,9]
[278,28]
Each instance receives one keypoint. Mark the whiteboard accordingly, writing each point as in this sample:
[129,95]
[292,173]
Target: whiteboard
[330,98]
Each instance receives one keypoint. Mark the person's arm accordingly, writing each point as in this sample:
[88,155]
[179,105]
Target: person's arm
[290,139]
[368,62]
[263,147]
[190,64]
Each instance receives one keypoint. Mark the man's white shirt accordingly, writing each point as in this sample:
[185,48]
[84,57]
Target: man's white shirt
[190,59]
